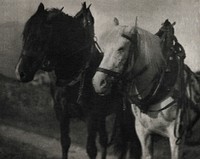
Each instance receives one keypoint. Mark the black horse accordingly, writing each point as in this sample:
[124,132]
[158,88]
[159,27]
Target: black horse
[65,46]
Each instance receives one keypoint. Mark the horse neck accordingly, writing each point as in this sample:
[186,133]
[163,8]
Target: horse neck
[72,47]
[68,67]
[73,36]
[144,82]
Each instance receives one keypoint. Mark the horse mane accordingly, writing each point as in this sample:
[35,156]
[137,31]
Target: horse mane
[66,29]
[198,73]
[149,45]
[37,22]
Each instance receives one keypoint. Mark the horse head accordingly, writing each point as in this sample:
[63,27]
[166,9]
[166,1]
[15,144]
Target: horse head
[128,53]
[50,38]
[35,35]
[116,45]
[87,19]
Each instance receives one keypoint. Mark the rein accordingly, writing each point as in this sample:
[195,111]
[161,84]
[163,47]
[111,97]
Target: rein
[176,50]
[97,46]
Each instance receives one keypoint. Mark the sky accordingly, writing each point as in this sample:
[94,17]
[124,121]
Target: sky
[150,13]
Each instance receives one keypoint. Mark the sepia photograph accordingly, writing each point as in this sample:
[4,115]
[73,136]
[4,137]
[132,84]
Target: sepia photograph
[100,79]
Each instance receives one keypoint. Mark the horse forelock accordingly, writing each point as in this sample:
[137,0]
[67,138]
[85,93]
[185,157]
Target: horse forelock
[110,35]
[32,29]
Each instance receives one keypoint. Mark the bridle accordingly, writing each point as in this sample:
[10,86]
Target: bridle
[124,78]
[48,64]
[114,74]
[120,75]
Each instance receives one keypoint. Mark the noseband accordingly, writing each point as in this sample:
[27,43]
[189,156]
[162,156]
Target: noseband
[109,72]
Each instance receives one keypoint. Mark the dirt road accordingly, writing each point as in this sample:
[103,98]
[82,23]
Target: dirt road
[50,146]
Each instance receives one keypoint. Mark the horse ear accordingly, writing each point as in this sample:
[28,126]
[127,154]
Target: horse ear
[82,11]
[136,25]
[174,23]
[88,19]
[134,28]
[84,5]
[61,9]
[116,21]
[88,8]
[40,8]
[90,16]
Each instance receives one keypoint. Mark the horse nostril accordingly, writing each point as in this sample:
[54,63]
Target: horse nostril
[103,83]
[22,74]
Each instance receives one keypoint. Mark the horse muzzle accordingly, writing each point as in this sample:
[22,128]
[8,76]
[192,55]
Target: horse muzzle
[102,83]
[21,75]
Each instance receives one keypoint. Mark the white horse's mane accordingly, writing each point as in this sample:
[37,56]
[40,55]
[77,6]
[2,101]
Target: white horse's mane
[149,45]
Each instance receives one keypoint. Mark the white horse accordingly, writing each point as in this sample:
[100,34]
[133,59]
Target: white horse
[135,57]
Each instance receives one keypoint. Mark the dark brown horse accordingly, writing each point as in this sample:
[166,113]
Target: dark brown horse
[65,46]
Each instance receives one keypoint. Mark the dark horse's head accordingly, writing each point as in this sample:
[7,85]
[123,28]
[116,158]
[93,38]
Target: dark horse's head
[51,38]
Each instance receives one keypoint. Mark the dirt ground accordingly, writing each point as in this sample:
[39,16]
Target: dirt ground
[49,147]
[28,126]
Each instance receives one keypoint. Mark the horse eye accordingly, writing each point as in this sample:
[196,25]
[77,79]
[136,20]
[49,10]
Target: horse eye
[121,49]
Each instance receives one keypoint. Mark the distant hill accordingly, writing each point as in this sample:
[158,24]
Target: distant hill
[10,46]
[4,78]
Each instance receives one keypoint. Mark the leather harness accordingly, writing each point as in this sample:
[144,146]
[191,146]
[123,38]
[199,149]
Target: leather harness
[164,82]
